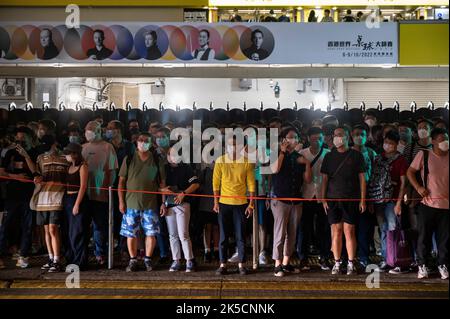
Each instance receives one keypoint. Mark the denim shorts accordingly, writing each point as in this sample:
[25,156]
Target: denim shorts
[133,220]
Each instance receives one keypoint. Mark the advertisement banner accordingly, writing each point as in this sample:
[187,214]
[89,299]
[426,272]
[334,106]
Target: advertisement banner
[249,43]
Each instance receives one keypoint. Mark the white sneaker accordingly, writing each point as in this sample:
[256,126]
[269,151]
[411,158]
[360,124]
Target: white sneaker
[234,258]
[23,262]
[336,269]
[350,269]
[443,271]
[262,260]
[396,271]
[423,272]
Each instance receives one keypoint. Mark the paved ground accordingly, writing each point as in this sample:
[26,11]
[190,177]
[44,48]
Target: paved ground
[204,284]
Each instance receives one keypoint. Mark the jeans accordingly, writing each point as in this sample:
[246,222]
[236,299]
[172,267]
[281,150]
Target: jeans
[431,220]
[21,212]
[99,214]
[232,216]
[178,225]
[387,220]
[77,249]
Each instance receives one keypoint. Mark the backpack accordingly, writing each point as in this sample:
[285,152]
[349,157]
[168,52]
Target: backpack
[380,186]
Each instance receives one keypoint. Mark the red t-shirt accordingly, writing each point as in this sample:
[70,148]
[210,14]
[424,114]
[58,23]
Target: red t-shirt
[398,169]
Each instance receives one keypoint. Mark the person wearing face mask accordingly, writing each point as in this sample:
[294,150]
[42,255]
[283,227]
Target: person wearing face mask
[181,180]
[386,190]
[366,222]
[315,154]
[123,149]
[411,150]
[101,159]
[75,207]
[46,127]
[140,172]
[163,142]
[344,177]
[74,136]
[433,210]
[289,172]
[405,131]
[50,179]
[18,163]
[233,176]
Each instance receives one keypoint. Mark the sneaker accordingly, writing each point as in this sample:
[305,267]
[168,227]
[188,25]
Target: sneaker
[290,269]
[23,262]
[443,271]
[363,265]
[56,267]
[336,269]
[207,257]
[48,265]
[190,266]
[132,265]
[221,271]
[243,271]
[382,267]
[15,256]
[423,272]
[324,264]
[414,266]
[350,269]
[304,265]
[100,260]
[278,271]
[234,258]
[176,266]
[148,264]
[397,271]
[262,259]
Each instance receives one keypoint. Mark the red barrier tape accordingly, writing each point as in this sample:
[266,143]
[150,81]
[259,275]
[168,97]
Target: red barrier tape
[224,196]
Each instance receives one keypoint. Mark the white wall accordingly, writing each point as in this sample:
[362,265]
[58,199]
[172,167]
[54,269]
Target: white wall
[184,92]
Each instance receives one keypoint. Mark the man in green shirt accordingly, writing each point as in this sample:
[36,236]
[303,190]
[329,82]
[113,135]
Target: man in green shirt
[143,173]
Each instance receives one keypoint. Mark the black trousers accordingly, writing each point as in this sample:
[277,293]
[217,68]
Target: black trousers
[431,220]
[77,231]
[18,213]
[232,216]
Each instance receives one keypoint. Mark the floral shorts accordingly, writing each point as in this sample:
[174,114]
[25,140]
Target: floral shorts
[134,219]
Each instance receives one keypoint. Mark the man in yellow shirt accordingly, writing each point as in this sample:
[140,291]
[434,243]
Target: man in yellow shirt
[233,176]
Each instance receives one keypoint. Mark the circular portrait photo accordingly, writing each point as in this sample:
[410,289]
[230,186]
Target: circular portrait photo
[46,42]
[5,42]
[257,43]
[151,42]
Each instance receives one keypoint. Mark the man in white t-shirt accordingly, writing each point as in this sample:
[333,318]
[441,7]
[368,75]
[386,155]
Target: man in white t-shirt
[314,154]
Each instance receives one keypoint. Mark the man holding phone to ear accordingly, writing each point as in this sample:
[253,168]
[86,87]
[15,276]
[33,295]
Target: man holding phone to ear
[233,176]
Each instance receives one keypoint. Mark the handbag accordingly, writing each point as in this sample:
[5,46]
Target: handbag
[398,250]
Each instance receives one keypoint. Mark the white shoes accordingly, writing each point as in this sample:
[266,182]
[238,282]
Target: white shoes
[336,269]
[234,258]
[262,259]
[443,271]
[23,262]
[423,272]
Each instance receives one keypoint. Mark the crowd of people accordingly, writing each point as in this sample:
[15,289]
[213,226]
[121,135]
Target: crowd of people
[333,190]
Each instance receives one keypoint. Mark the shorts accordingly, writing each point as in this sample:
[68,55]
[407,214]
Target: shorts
[135,219]
[48,218]
[343,212]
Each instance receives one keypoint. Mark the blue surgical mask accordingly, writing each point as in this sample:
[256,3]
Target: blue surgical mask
[162,142]
[109,134]
[74,139]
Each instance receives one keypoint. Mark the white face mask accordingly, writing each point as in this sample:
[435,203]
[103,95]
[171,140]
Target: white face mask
[338,141]
[143,147]
[370,123]
[74,139]
[423,133]
[90,136]
[388,148]
[69,158]
[443,146]
[401,148]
